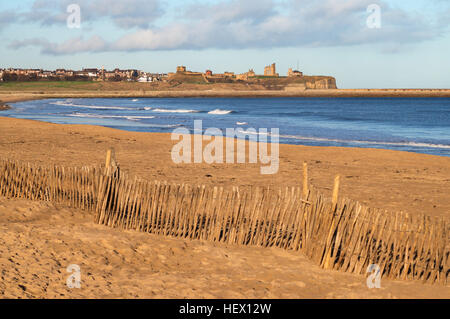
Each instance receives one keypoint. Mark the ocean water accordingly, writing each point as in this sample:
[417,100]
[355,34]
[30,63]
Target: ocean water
[419,125]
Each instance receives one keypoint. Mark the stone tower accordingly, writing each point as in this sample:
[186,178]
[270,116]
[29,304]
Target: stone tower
[270,70]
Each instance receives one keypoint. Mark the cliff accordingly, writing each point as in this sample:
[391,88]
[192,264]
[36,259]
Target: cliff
[297,83]
[266,82]
[320,82]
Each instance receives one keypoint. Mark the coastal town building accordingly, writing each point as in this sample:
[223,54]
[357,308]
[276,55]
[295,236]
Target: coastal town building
[92,73]
[145,79]
[33,71]
[292,73]
[183,70]
[46,74]
[110,76]
[82,74]
[62,73]
[270,70]
[245,76]
[120,73]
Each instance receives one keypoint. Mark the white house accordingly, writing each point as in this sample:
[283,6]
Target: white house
[145,79]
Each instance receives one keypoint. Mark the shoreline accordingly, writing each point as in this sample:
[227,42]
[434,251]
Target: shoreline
[20,96]
[286,144]
[167,133]
[23,98]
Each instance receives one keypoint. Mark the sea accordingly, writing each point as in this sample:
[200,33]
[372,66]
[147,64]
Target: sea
[420,125]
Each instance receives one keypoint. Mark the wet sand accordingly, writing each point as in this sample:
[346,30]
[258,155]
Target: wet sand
[384,179]
[139,90]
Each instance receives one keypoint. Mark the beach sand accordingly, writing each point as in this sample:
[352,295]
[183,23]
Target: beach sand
[39,240]
[18,91]
[383,179]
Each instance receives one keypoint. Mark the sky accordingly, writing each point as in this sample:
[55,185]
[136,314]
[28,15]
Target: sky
[362,43]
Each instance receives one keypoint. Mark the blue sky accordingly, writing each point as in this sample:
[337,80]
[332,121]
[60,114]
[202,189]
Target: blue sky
[325,37]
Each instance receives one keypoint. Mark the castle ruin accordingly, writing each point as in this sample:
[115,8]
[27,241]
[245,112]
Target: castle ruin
[270,70]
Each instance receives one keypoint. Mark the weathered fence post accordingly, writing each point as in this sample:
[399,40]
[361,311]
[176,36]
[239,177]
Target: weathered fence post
[305,180]
[328,260]
[336,191]
[106,192]
[110,163]
[108,157]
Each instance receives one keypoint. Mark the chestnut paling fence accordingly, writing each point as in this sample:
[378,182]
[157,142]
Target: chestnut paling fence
[335,234]
[75,187]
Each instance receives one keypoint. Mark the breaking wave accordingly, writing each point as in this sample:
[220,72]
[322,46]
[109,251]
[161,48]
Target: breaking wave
[332,140]
[99,116]
[95,107]
[220,112]
[172,111]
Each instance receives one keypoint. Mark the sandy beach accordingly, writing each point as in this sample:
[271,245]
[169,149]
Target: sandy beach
[39,240]
[384,179]
[240,153]
[12,92]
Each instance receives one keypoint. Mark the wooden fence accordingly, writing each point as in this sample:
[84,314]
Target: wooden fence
[335,234]
[75,187]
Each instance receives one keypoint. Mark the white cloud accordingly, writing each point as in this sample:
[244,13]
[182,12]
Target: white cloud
[7,18]
[75,45]
[124,13]
[248,24]
[232,24]
[168,38]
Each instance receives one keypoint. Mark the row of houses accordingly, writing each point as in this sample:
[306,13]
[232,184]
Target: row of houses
[94,74]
